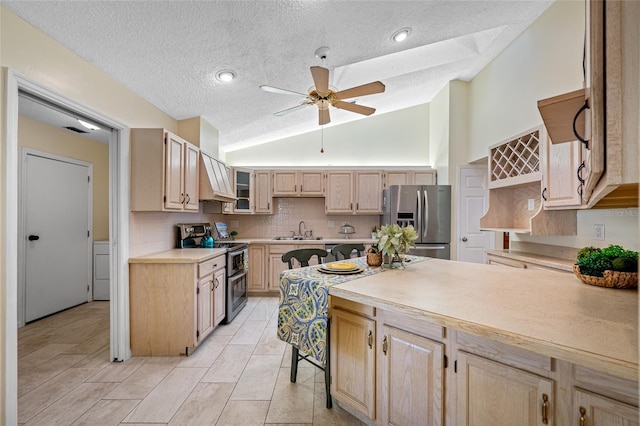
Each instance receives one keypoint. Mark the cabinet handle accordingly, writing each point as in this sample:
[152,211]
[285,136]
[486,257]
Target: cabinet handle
[217,283]
[384,345]
[188,199]
[182,198]
[545,400]
[575,119]
[370,339]
[544,191]
[583,421]
[582,166]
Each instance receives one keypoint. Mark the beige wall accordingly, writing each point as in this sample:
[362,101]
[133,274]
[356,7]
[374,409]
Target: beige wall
[399,138]
[544,61]
[45,138]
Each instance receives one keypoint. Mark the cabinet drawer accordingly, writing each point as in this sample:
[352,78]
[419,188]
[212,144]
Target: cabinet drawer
[206,268]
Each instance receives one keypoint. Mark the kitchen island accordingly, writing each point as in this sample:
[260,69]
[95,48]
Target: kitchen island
[542,341]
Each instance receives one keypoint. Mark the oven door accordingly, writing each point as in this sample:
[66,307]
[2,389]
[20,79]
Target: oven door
[236,295]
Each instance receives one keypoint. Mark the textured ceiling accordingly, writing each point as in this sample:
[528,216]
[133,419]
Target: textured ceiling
[168,52]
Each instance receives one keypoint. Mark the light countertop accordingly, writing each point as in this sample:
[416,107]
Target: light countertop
[186,255]
[542,311]
[307,242]
[538,259]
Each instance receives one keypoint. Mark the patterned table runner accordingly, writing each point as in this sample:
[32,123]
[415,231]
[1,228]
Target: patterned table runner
[304,297]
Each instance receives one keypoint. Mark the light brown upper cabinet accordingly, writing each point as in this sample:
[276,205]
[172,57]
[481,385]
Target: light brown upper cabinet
[253,190]
[292,183]
[562,181]
[603,115]
[409,177]
[354,192]
[262,192]
[164,172]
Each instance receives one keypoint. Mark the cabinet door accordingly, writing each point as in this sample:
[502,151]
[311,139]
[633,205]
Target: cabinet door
[490,393]
[427,177]
[339,197]
[412,379]
[369,192]
[243,190]
[191,175]
[285,183]
[591,409]
[205,308]
[219,301]
[174,172]
[262,192]
[276,266]
[257,275]
[353,340]
[397,177]
[311,183]
[562,186]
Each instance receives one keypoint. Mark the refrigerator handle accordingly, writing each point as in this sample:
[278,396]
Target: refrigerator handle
[426,216]
[419,218]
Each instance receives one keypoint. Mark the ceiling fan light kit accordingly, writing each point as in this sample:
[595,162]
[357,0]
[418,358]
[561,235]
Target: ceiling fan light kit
[322,95]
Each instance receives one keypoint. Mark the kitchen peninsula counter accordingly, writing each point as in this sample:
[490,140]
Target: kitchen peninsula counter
[541,311]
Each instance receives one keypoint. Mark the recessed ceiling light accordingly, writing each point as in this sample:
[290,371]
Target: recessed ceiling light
[88,125]
[401,35]
[225,76]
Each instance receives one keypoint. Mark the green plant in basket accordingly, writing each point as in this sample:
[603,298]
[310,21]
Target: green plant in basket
[594,261]
[394,239]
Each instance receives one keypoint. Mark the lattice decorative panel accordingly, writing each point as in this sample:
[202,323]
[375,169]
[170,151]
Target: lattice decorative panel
[518,157]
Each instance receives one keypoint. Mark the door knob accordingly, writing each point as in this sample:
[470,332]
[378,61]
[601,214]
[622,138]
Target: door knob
[34,237]
[464,239]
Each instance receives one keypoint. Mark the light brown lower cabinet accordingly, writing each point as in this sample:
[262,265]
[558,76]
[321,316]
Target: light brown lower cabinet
[591,409]
[389,368]
[174,306]
[491,393]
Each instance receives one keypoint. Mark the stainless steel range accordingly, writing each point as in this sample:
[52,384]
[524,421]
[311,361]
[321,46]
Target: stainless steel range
[193,235]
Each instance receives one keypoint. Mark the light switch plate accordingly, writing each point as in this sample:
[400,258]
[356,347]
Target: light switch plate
[598,231]
[531,204]
[234,223]
[331,224]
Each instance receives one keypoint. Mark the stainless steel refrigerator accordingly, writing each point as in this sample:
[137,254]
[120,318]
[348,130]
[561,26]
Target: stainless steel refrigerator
[428,209]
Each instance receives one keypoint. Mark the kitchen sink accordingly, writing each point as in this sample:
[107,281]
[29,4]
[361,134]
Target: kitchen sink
[297,238]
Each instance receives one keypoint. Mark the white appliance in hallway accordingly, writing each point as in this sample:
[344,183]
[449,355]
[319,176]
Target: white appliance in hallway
[57,195]
[101,289]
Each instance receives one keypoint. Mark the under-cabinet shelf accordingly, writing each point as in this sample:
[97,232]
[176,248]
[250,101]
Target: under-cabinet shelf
[517,160]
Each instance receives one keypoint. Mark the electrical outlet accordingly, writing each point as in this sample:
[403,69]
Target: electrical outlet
[598,231]
[531,204]
[331,224]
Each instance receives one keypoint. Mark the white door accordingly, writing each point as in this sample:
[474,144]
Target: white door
[472,204]
[56,224]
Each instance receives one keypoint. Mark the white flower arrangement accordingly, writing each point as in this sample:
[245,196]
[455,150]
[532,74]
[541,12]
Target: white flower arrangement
[394,239]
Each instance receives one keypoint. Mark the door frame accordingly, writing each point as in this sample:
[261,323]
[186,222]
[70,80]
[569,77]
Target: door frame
[22,211]
[119,207]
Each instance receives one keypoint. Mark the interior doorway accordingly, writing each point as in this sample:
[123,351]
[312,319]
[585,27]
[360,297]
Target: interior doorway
[118,228]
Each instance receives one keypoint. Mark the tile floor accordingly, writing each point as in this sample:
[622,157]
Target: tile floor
[238,376]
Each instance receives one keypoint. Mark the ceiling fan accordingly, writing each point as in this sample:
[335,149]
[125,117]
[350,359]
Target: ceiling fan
[323,96]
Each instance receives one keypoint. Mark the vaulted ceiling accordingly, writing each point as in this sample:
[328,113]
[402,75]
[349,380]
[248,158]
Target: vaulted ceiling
[169,52]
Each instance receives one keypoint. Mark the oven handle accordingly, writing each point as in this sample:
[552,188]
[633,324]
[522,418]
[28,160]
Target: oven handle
[235,252]
[236,277]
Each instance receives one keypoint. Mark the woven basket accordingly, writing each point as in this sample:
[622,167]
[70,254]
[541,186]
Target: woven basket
[611,279]
[374,257]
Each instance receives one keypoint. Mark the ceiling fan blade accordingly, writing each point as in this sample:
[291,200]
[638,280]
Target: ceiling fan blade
[282,91]
[320,79]
[365,89]
[323,116]
[360,109]
[290,110]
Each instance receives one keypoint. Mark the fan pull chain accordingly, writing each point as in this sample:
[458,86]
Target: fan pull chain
[322,140]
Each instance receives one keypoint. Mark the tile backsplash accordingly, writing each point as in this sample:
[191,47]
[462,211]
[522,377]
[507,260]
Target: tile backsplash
[156,231]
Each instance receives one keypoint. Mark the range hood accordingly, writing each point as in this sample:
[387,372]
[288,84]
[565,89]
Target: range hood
[215,184]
